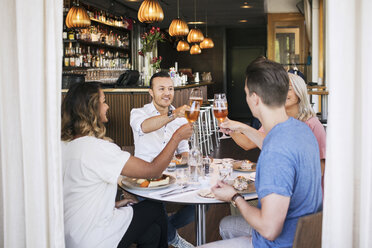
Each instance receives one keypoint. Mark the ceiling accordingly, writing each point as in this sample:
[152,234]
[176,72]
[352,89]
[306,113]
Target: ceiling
[220,12]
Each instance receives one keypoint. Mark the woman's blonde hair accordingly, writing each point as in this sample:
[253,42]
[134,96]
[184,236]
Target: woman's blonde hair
[81,112]
[305,111]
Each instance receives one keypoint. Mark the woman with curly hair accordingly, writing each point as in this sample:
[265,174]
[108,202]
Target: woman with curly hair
[297,106]
[92,164]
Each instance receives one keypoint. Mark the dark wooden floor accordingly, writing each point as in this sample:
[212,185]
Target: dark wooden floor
[226,149]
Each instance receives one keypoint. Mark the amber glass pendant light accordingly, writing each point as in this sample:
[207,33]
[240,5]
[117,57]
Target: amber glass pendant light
[178,27]
[195,49]
[77,17]
[183,46]
[207,42]
[150,11]
[195,34]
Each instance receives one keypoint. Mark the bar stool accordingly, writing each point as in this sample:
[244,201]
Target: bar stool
[208,127]
[202,131]
[214,125]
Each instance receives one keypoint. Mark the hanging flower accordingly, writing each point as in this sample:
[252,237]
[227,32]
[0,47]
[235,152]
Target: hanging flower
[149,40]
[155,62]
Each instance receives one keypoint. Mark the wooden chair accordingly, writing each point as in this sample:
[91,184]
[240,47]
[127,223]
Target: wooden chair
[309,231]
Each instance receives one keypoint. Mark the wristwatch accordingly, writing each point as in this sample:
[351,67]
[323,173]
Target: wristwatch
[170,113]
[233,199]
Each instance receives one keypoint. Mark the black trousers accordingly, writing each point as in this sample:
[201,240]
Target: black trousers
[148,228]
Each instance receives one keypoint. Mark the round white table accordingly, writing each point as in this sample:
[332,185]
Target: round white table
[190,197]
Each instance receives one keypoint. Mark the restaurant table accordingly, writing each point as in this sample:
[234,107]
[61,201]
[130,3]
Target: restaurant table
[191,197]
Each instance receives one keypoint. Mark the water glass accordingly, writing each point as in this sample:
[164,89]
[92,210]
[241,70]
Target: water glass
[195,172]
[225,171]
[182,176]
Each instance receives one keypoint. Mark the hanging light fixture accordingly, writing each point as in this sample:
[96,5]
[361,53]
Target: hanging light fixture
[207,42]
[195,34]
[77,17]
[150,11]
[195,49]
[178,26]
[183,46]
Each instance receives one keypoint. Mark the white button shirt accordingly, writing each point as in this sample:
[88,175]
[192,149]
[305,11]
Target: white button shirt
[149,145]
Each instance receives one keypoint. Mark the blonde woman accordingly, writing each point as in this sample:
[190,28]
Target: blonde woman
[297,106]
[91,167]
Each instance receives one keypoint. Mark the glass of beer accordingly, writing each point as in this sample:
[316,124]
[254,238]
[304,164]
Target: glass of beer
[192,113]
[220,110]
[196,95]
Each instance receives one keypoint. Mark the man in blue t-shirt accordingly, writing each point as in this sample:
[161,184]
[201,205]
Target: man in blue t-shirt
[288,177]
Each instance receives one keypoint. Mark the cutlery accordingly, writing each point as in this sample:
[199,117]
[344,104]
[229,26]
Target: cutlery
[179,192]
[173,190]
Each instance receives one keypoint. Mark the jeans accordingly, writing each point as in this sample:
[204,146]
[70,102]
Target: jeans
[148,228]
[180,219]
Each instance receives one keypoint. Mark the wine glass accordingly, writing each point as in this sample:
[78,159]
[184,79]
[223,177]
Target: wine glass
[196,95]
[220,110]
[192,113]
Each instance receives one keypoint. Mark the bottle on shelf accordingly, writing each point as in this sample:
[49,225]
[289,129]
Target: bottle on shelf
[71,35]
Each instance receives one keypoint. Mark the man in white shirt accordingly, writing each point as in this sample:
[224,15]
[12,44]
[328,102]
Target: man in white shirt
[153,125]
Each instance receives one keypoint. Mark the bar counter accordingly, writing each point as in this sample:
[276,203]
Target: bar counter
[122,100]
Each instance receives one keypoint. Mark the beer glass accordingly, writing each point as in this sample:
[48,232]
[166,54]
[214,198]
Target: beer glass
[196,95]
[220,110]
[192,114]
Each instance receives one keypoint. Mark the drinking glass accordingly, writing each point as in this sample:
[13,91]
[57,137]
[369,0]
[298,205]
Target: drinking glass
[182,176]
[220,110]
[225,171]
[192,114]
[196,95]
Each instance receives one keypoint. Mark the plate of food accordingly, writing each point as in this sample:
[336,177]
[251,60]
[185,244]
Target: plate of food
[180,162]
[242,185]
[149,184]
[244,165]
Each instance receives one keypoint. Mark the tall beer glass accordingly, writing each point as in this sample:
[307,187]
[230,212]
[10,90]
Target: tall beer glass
[220,109]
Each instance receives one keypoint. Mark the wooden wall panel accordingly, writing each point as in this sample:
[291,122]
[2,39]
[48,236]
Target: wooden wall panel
[118,127]
[120,105]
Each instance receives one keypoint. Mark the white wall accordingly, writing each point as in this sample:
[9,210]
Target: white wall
[281,6]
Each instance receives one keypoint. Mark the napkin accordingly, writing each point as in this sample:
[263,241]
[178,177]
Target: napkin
[252,176]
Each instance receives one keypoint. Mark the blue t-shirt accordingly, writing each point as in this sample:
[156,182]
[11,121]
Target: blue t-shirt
[289,165]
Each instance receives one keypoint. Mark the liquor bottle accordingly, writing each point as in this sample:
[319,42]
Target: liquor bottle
[64,34]
[71,35]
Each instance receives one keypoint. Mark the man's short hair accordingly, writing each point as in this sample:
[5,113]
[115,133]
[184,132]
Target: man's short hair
[268,80]
[162,74]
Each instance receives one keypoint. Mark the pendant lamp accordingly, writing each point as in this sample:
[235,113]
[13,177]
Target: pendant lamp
[178,26]
[195,49]
[77,17]
[195,34]
[183,46]
[150,11]
[207,42]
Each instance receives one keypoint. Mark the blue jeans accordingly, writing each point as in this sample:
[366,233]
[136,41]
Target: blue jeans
[180,219]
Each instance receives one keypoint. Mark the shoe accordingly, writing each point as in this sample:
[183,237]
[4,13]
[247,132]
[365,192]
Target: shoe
[179,242]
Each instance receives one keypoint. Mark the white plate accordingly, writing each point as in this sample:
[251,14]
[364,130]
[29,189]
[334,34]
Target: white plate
[132,183]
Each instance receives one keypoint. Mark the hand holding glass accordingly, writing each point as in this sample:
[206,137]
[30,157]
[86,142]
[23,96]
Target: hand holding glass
[220,109]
